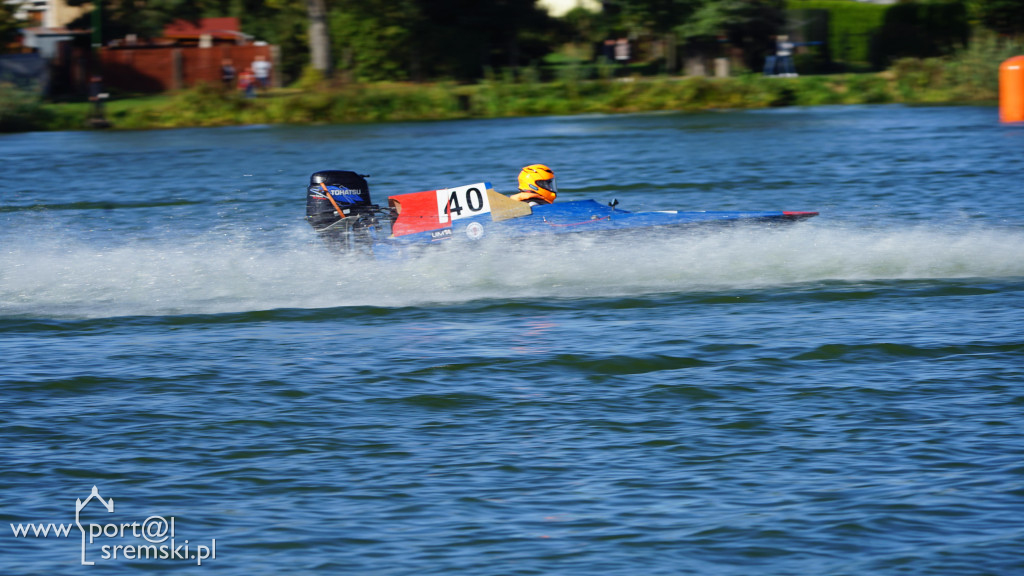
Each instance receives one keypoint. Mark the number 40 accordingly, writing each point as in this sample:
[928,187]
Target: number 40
[474,201]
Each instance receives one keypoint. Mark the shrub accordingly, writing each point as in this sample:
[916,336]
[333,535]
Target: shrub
[974,72]
[21,110]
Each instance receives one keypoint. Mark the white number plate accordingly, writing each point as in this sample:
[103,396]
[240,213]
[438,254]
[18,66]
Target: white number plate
[462,202]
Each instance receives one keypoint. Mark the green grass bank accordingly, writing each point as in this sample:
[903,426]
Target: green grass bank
[970,77]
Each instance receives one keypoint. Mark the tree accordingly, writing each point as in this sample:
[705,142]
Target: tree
[376,39]
[584,25]
[319,36]
[1002,16]
[467,36]
[746,24]
[412,39]
[144,18]
[9,25]
[658,16]
[661,18]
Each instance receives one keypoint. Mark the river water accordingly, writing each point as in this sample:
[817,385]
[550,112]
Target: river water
[840,396]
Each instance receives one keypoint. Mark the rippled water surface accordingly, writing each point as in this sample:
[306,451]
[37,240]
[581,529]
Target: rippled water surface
[840,396]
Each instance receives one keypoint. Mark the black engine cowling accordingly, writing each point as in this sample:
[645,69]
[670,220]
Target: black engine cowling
[338,207]
[349,191]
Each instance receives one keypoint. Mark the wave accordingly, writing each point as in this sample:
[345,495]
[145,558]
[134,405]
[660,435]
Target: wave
[218,272]
[90,205]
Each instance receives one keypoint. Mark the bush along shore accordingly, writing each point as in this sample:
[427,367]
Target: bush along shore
[970,77]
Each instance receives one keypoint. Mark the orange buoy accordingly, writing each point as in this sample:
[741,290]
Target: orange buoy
[1011,90]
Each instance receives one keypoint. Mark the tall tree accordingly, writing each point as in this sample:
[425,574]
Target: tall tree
[319,36]
[376,39]
[470,35]
[657,16]
[284,23]
[746,24]
[144,18]
[411,39]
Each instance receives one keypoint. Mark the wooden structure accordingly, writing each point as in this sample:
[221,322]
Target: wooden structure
[186,55]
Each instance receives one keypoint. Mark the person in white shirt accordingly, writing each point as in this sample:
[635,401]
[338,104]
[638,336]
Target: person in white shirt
[261,70]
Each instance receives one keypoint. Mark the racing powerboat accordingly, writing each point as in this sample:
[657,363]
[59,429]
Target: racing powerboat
[339,209]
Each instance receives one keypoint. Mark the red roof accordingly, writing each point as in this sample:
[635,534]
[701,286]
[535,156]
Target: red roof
[211,26]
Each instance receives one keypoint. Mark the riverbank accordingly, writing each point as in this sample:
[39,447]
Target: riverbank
[909,81]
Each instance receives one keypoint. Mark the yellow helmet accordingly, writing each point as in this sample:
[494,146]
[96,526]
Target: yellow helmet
[539,181]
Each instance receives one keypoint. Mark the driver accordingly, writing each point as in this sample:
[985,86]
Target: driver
[536,185]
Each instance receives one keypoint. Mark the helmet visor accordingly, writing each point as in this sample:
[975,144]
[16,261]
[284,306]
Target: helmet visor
[548,184]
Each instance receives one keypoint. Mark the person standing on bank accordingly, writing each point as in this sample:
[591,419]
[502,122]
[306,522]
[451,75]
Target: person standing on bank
[247,82]
[261,69]
[97,96]
[227,73]
[784,52]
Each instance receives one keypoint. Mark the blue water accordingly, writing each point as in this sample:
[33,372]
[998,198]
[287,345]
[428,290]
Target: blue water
[840,396]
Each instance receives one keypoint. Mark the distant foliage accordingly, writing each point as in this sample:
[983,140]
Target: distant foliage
[970,75]
[21,110]
[876,34]
[374,42]
[283,23]
[661,16]
[145,18]
[851,25]
[419,39]
[749,25]
[919,30]
[1003,16]
[9,26]
[979,63]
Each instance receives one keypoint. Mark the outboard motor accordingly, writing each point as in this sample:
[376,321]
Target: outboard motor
[347,189]
[338,207]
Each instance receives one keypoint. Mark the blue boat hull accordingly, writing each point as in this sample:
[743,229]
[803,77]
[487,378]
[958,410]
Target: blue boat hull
[586,216]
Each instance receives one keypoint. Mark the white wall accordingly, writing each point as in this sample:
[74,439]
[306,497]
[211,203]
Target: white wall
[560,7]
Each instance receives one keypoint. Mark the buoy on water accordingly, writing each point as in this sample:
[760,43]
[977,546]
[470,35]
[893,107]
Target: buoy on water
[1011,90]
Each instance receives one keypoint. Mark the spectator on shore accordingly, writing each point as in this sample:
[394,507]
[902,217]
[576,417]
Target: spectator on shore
[97,96]
[227,73]
[609,50]
[261,68]
[781,63]
[784,51]
[247,82]
[622,51]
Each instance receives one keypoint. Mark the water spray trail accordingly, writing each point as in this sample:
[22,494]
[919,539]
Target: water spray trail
[283,269]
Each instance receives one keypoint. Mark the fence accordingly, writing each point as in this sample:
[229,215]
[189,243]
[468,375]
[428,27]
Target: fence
[161,69]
